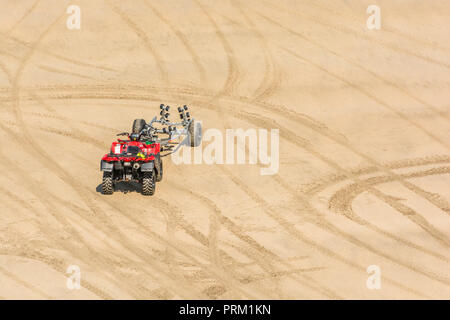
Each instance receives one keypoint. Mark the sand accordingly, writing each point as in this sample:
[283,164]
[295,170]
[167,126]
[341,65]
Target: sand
[363,119]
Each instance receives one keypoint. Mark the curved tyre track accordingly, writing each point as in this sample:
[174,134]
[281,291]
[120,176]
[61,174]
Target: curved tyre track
[159,252]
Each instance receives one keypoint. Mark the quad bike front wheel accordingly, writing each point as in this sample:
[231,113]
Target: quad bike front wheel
[107,183]
[148,183]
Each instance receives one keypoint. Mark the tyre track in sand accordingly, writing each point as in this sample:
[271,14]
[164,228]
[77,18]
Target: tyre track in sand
[34,190]
[75,189]
[141,34]
[233,74]
[15,103]
[386,28]
[65,72]
[51,54]
[264,258]
[145,40]
[203,242]
[175,218]
[432,199]
[304,144]
[341,201]
[36,150]
[163,205]
[439,236]
[269,210]
[68,246]
[184,40]
[58,242]
[326,181]
[322,224]
[232,78]
[256,252]
[200,237]
[359,35]
[401,208]
[227,91]
[290,136]
[370,160]
[312,124]
[435,110]
[178,220]
[113,230]
[408,185]
[360,89]
[226,45]
[6,72]
[98,222]
[97,146]
[437,202]
[269,123]
[24,16]
[44,116]
[24,284]
[74,132]
[101,223]
[156,56]
[226,277]
[272,75]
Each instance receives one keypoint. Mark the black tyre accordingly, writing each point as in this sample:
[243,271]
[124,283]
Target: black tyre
[107,184]
[159,168]
[138,125]
[148,183]
[195,134]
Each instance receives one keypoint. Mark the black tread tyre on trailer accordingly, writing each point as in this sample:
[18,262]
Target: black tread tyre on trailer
[159,168]
[148,183]
[107,183]
[138,125]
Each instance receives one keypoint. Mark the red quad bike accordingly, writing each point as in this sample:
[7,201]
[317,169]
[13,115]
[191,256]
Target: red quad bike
[138,158]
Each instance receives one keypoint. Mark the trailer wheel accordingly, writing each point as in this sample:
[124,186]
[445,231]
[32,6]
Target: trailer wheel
[159,168]
[195,133]
[107,184]
[148,183]
[138,125]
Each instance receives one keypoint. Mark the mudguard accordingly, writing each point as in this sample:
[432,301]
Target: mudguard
[148,166]
[106,166]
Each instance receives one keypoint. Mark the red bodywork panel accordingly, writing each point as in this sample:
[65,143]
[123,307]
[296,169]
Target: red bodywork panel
[117,148]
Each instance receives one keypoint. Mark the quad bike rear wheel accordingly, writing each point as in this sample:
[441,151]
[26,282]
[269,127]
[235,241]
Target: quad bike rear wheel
[148,183]
[138,125]
[107,183]
[159,168]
